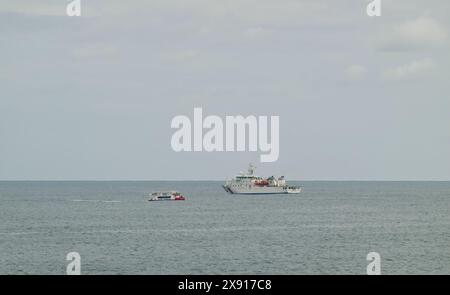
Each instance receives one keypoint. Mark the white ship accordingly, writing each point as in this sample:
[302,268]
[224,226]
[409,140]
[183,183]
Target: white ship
[250,184]
[167,196]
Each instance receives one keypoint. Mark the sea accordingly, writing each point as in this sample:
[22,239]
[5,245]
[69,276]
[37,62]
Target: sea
[327,229]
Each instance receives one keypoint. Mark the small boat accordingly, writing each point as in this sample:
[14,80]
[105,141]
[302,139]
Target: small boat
[166,196]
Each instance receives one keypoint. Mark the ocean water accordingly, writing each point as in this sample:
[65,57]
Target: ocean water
[328,229]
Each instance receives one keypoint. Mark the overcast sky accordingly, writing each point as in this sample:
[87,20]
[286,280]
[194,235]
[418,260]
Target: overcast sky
[92,97]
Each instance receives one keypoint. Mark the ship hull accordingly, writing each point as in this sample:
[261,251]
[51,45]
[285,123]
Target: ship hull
[266,190]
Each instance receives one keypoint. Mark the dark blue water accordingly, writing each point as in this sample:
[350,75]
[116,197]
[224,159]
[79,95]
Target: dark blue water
[328,229]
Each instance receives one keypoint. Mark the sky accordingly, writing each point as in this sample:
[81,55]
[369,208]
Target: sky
[92,97]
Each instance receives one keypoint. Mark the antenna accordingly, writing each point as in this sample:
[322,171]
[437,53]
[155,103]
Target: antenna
[251,168]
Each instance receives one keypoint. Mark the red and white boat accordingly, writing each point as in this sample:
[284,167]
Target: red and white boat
[166,196]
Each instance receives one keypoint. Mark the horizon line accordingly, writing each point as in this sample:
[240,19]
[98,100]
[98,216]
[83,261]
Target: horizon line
[198,180]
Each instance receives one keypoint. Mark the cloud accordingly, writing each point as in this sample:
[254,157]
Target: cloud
[424,32]
[355,72]
[412,70]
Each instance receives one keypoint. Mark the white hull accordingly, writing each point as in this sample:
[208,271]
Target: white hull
[255,190]
[166,196]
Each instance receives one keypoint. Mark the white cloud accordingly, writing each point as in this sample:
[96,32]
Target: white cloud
[414,69]
[424,32]
[355,72]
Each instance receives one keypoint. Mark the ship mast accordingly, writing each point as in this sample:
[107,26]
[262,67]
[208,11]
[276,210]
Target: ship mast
[251,169]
